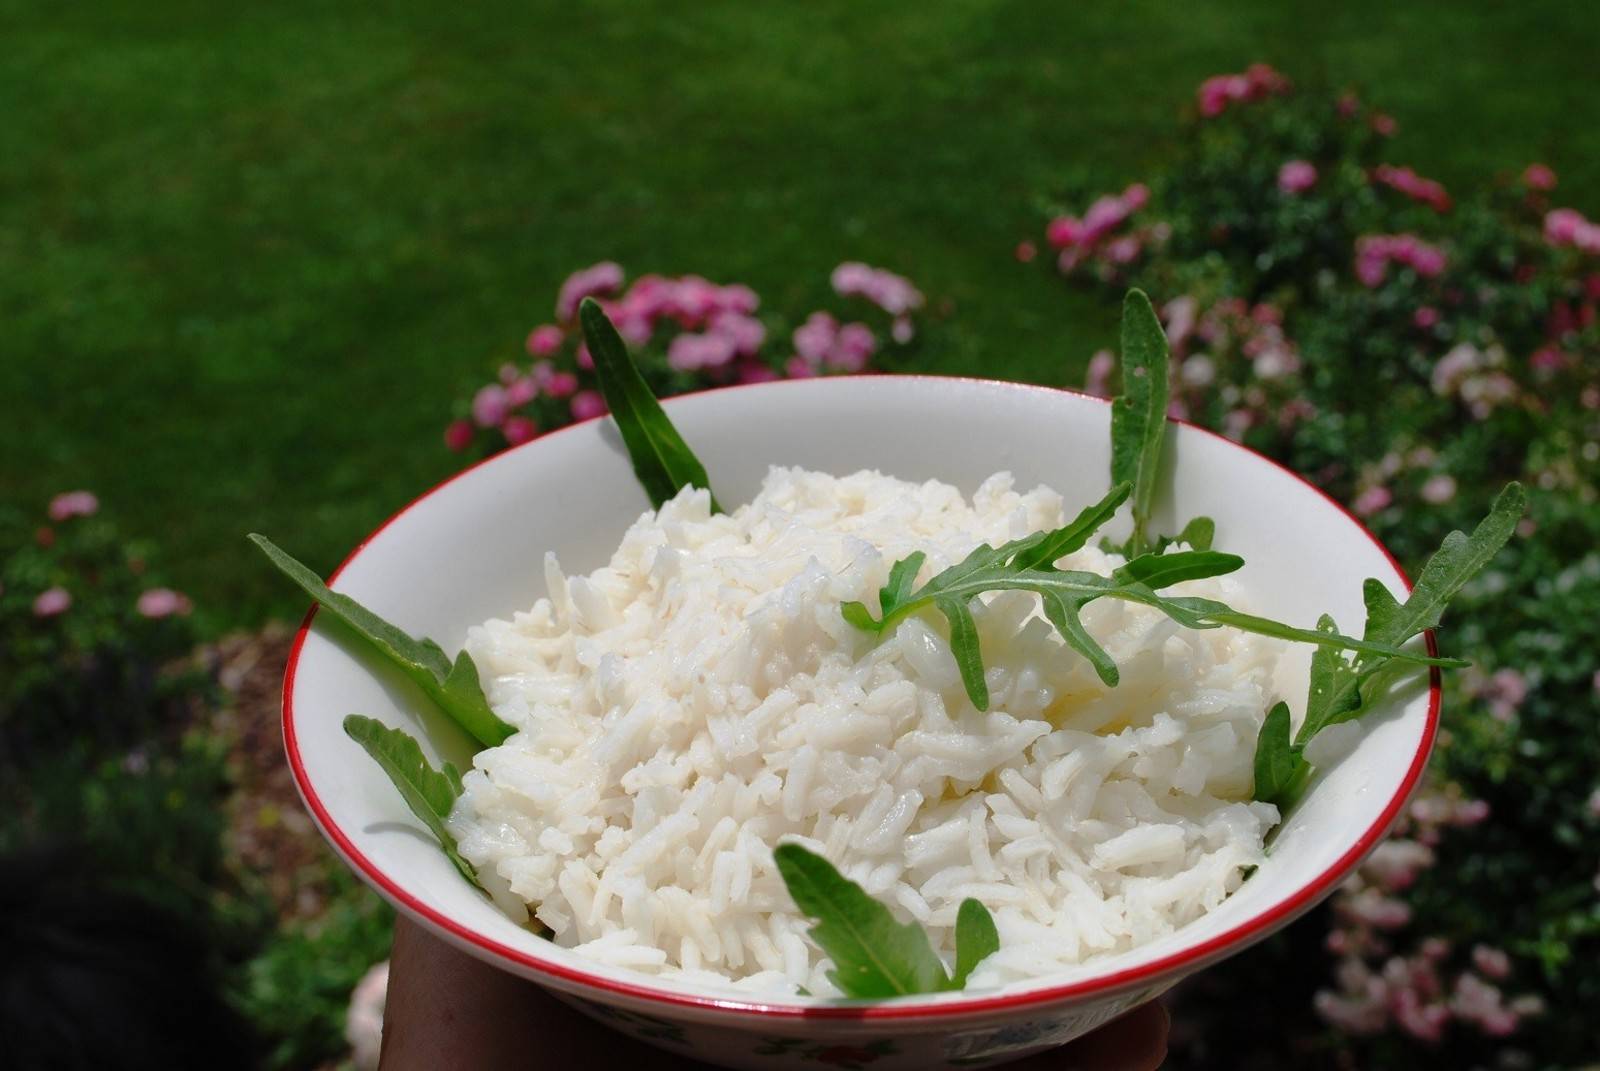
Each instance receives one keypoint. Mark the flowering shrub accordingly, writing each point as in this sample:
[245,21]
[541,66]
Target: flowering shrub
[688,334]
[87,634]
[1410,351]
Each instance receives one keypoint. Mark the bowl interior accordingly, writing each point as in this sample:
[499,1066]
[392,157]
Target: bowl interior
[472,549]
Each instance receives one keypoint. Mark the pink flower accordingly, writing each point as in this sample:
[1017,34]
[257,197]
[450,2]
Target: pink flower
[584,358]
[798,367]
[892,293]
[1374,253]
[561,384]
[1455,366]
[1470,812]
[1347,106]
[1098,380]
[491,406]
[1594,797]
[597,280]
[1063,231]
[1424,1021]
[508,373]
[1025,252]
[163,602]
[1425,317]
[1546,361]
[587,404]
[755,372]
[458,435]
[1135,197]
[71,504]
[1296,177]
[853,346]
[1265,81]
[692,352]
[1413,186]
[1123,250]
[1567,226]
[1384,125]
[814,339]
[1492,962]
[520,392]
[746,333]
[1425,259]
[1479,1002]
[1180,315]
[1371,908]
[1438,489]
[1396,863]
[1370,269]
[903,330]
[1372,500]
[737,297]
[1506,690]
[1219,91]
[518,430]
[1539,177]
[51,602]
[545,340]
[1103,216]
[1561,225]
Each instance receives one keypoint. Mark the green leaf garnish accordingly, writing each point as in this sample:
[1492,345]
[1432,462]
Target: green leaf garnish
[1279,768]
[428,792]
[976,940]
[873,955]
[1198,534]
[1337,696]
[1139,414]
[661,459]
[1026,565]
[1339,682]
[455,688]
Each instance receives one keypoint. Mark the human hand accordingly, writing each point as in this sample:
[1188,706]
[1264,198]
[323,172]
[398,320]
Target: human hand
[447,1009]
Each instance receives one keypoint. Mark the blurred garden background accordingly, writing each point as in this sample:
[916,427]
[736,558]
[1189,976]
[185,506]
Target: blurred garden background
[281,270]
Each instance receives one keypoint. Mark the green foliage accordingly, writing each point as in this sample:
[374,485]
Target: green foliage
[454,687]
[1416,395]
[661,459]
[296,988]
[1025,565]
[1139,415]
[1342,688]
[428,792]
[61,674]
[874,956]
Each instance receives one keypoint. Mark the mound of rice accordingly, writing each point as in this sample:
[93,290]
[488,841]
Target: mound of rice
[700,700]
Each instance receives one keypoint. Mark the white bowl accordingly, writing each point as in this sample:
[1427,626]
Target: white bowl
[472,548]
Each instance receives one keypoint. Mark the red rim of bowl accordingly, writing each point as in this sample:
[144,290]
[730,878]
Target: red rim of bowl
[1241,935]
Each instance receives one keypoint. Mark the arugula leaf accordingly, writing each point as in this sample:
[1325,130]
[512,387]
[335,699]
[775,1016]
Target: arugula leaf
[1279,767]
[1017,566]
[1198,534]
[1338,681]
[873,955]
[428,792]
[1336,685]
[455,688]
[661,459]
[976,940]
[1139,414]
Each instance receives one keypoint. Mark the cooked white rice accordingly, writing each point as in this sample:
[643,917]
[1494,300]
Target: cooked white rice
[700,700]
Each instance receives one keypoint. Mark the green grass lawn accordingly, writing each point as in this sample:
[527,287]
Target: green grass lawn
[246,260]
